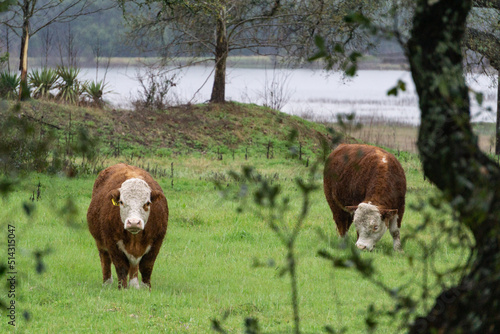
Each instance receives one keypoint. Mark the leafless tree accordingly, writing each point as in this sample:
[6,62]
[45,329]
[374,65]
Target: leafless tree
[47,44]
[276,92]
[67,48]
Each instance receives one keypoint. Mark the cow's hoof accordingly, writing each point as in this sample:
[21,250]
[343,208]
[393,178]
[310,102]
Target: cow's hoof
[108,282]
[134,283]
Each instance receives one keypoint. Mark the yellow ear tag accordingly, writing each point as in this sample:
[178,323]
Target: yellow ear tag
[115,203]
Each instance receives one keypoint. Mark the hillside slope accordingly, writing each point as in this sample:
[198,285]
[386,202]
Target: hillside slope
[204,127]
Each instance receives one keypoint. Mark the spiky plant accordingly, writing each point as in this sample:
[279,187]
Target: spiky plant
[69,87]
[9,83]
[43,82]
[94,90]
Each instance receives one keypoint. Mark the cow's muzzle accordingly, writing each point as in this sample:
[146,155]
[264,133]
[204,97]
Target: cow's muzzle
[134,225]
[363,247]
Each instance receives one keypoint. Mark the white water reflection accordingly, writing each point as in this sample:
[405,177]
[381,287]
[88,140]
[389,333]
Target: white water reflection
[312,93]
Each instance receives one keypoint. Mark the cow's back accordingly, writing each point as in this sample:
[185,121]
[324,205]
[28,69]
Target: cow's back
[356,173]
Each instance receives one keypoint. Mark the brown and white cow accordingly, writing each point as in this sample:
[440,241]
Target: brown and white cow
[127,217]
[369,182]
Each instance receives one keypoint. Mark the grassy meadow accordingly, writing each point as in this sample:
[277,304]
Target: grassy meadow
[206,268]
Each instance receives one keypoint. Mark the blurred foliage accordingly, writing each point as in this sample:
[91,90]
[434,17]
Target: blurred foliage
[4,5]
[29,145]
[9,84]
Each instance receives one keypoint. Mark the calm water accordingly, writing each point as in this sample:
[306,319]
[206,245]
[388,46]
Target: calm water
[308,93]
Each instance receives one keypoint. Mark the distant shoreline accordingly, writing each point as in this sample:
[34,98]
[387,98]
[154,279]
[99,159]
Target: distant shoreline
[385,63]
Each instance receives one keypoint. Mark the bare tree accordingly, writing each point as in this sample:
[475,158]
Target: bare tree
[211,30]
[67,47]
[47,40]
[481,41]
[483,37]
[276,93]
[27,17]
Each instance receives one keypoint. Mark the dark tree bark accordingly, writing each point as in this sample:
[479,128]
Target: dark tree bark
[451,159]
[221,52]
[497,131]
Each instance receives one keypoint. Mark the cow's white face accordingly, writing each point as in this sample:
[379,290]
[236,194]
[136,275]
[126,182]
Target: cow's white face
[135,202]
[369,225]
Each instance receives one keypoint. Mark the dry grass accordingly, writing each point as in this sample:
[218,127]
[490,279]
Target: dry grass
[403,137]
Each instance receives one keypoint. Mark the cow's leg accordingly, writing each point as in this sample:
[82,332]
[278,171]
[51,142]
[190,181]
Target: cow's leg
[394,229]
[147,263]
[106,267]
[122,265]
[133,273]
[343,220]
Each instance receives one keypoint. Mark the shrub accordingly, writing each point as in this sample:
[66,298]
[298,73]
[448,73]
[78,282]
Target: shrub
[9,84]
[93,92]
[155,87]
[69,87]
[43,82]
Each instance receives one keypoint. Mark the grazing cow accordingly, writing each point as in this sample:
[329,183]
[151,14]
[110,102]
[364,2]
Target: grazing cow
[369,182]
[128,218]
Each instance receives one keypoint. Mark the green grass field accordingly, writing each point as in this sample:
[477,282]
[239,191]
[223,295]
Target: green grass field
[205,267]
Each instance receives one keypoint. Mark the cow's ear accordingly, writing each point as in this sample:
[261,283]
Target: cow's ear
[114,196]
[155,195]
[351,209]
[388,214]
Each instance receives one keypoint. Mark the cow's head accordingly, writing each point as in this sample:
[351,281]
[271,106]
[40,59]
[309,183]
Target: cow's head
[371,223]
[134,199]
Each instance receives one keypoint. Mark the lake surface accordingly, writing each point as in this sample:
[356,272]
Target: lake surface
[312,94]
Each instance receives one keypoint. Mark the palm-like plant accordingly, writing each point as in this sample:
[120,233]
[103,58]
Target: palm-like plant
[9,83]
[94,91]
[43,82]
[69,87]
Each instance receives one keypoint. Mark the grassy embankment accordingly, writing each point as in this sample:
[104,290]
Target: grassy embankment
[204,269]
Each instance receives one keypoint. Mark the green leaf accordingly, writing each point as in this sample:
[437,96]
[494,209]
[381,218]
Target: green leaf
[338,48]
[401,85]
[351,70]
[357,17]
[4,5]
[320,43]
[354,56]
[479,98]
[393,91]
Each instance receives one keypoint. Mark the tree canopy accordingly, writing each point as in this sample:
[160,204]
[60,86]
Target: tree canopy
[211,30]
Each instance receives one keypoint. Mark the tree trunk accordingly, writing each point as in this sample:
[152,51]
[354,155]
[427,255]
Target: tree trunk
[221,51]
[451,159]
[497,132]
[23,57]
